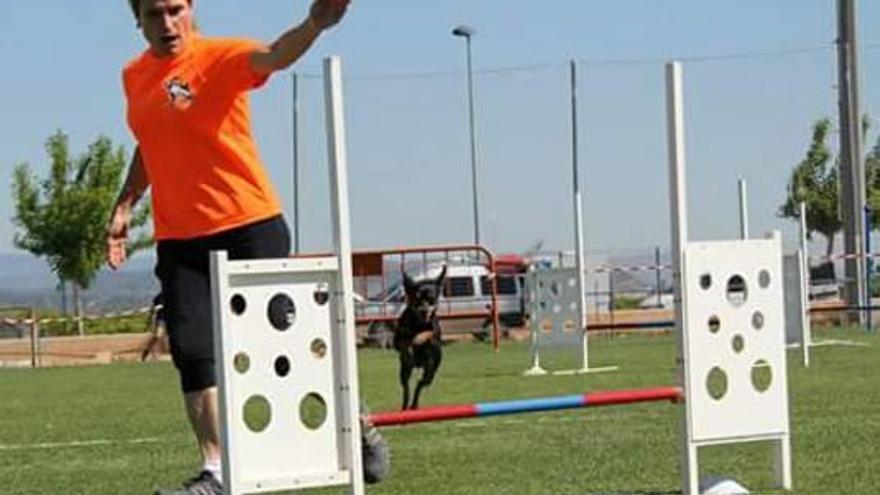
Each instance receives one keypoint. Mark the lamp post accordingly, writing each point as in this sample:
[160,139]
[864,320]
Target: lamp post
[467,33]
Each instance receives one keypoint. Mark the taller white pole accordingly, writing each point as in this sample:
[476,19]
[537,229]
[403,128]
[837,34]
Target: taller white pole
[678,208]
[743,210]
[578,222]
[806,330]
[338,161]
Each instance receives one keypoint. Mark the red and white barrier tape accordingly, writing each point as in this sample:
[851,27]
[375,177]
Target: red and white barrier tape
[635,268]
[106,316]
[844,256]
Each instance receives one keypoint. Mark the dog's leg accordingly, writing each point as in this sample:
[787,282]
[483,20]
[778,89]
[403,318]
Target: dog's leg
[432,364]
[406,368]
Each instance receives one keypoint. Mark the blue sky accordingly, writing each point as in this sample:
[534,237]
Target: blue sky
[409,164]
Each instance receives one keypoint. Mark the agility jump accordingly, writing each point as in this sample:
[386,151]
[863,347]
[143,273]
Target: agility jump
[729,318]
[486,409]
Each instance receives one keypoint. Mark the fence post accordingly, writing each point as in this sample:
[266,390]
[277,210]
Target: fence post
[611,301]
[35,339]
[869,307]
[657,274]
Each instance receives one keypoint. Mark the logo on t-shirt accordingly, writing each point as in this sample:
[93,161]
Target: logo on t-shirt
[179,93]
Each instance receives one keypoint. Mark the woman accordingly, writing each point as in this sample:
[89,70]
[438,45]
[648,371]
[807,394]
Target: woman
[188,109]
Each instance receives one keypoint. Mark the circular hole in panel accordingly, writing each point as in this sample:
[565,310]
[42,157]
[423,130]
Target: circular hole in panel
[557,308]
[569,326]
[281,312]
[282,366]
[705,281]
[716,383]
[764,279]
[543,305]
[547,325]
[319,348]
[555,289]
[762,375]
[257,413]
[241,362]
[572,282]
[757,320]
[573,307]
[739,343]
[737,292]
[714,324]
[313,411]
[238,304]
[322,294]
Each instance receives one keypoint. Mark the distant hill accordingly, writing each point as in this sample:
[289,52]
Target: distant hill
[26,280]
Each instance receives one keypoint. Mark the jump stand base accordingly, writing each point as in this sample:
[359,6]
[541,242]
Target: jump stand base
[584,371]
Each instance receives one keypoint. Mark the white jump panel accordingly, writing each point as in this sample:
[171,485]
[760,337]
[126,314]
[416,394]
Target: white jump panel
[736,384]
[276,335]
[554,306]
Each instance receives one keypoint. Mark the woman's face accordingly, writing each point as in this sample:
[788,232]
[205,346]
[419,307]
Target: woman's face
[167,25]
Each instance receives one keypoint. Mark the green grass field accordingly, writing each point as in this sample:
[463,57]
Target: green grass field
[120,429]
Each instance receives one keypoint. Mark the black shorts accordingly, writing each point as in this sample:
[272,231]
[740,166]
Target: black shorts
[183,268]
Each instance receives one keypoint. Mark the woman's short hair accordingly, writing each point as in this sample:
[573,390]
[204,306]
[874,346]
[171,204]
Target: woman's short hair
[136,7]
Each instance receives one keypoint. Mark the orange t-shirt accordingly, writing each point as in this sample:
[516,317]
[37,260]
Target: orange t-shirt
[190,114]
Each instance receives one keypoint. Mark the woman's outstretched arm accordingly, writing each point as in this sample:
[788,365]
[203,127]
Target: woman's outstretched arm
[288,48]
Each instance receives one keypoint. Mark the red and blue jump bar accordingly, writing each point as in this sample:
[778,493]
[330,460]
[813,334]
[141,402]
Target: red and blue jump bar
[485,409]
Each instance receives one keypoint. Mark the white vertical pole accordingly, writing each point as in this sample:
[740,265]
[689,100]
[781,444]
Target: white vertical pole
[578,223]
[224,396]
[806,330]
[350,442]
[296,225]
[743,210]
[678,212]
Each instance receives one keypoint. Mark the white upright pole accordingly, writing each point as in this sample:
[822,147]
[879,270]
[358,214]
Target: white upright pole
[806,330]
[580,255]
[678,209]
[743,210]
[295,116]
[578,223]
[350,442]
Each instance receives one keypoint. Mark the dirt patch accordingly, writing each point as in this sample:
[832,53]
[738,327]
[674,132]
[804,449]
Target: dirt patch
[76,351]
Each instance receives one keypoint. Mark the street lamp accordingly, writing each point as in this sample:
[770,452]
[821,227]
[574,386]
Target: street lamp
[467,33]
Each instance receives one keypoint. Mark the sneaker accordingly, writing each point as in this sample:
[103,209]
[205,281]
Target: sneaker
[203,484]
[375,453]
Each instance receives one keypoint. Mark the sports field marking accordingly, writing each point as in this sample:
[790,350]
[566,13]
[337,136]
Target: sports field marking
[838,342]
[74,444]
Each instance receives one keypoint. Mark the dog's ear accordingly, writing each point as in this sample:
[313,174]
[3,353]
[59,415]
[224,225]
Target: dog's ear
[441,278]
[409,286]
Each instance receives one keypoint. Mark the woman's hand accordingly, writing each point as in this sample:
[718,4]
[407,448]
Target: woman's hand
[326,13]
[117,236]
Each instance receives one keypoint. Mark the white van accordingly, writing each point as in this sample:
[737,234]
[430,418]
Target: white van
[468,290]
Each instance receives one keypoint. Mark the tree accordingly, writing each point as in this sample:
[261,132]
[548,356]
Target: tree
[814,181]
[872,171]
[63,217]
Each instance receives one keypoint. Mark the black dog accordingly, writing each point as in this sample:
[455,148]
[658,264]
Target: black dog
[417,336]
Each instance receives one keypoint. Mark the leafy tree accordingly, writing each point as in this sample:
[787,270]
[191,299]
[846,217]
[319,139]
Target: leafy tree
[872,171]
[814,181]
[63,217]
